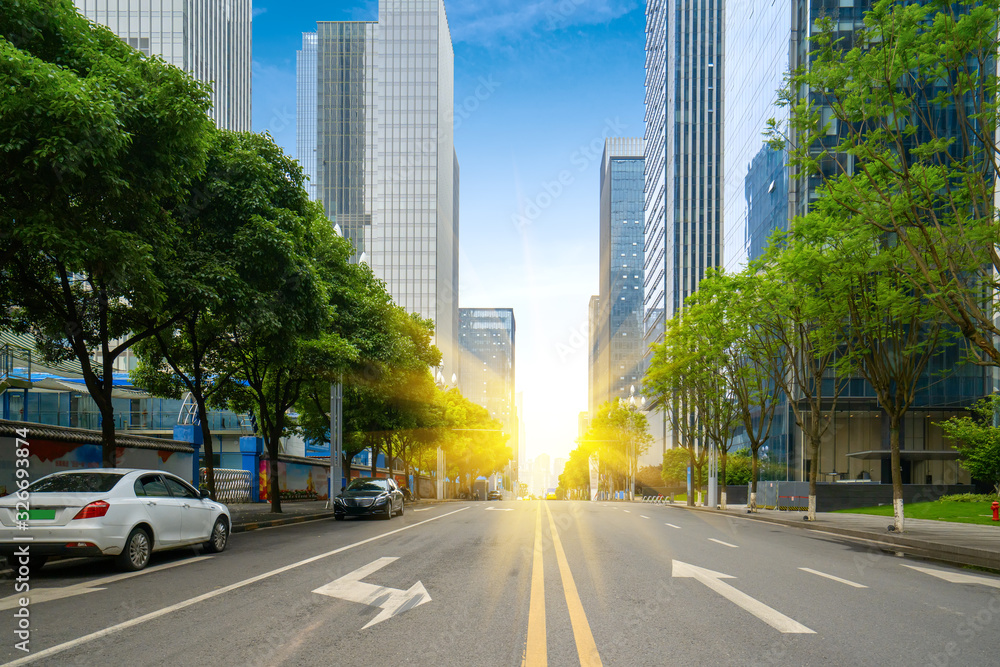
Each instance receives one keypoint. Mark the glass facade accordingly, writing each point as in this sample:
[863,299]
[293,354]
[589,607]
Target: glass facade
[209,39]
[486,374]
[386,169]
[305,109]
[763,42]
[620,351]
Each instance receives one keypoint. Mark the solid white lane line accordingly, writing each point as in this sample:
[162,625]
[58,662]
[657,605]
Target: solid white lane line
[672,526]
[831,577]
[39,595]
[59,648]
[725,544]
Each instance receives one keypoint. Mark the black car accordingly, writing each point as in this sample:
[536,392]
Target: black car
[494,495]
[367,496]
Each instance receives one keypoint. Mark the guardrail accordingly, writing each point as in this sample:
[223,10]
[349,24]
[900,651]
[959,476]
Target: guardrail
[231,486]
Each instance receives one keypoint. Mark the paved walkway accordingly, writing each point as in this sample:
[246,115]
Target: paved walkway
[250,516]
[960,543]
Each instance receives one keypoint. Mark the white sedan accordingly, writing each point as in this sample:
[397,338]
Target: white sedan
[128,514]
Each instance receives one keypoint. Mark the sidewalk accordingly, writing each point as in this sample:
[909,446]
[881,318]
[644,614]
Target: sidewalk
[251,516]
[957,543]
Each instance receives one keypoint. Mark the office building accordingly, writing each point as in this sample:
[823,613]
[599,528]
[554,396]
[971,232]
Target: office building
[763,42]
[619,333]
[209,39]
[486,364]
[595,381]
[306,82]
[683,177]
[386,170]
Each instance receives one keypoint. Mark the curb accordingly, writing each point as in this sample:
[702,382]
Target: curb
[948,553]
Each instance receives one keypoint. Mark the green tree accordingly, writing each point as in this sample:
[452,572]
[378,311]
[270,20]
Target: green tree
[977,440]
[475,443]
[619,435]
[675,466]
[740,470]
[872,129]
[100,145]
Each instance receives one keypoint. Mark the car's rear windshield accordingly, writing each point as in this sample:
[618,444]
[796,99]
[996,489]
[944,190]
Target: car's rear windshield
[77,482]
[367,485]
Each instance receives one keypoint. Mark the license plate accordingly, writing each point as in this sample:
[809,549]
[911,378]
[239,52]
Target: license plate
[41,515]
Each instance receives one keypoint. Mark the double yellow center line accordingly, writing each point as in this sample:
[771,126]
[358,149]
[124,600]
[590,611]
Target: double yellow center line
[536,654]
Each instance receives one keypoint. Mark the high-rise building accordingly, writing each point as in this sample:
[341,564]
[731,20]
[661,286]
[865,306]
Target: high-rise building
[683,189]
[621,352]
[209,39]
[306,82]
[761,196]
[386,170]
[595,381]
[486,364]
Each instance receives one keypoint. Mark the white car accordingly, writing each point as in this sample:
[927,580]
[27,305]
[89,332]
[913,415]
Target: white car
[109,512]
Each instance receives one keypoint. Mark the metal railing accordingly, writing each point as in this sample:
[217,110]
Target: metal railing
[231,486]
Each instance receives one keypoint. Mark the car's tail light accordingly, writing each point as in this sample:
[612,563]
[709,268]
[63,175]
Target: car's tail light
[79,545]
[94,510]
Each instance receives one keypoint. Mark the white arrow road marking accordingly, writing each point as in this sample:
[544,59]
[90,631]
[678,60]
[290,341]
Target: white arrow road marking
[957,577]
[392,601]
[830,576]
[672,526]
[39,595]
[499,509]
[713,580]
[725,544]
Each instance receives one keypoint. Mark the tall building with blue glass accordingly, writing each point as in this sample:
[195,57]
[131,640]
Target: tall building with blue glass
[618,328]
[763,41]
[683,180]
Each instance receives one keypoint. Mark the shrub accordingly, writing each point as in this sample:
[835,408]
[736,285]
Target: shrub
[968,498]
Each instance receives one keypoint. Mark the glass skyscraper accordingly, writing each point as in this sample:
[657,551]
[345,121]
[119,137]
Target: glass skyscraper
[305,109]
[209,39]
[486,339]
[386,170]
[620,350]
[683,178]
[763,42]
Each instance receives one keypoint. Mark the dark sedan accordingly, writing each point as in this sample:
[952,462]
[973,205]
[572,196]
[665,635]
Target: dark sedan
[368,496]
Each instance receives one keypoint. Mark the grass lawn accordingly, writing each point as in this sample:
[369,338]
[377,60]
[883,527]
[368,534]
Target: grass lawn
[938,511]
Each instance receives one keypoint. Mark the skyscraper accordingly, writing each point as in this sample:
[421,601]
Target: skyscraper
[386,170]
[209,39]
[486,373]
[620,350]
[683,181]
[306,81]
[763,42]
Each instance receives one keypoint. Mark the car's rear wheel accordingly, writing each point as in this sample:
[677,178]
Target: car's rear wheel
[138,549]
[220,537]
[338,517]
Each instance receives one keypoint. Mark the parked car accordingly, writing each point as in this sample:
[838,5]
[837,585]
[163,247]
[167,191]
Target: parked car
[495,494]
[128,514]
[369,496]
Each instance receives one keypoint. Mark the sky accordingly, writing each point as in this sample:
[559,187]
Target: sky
[539,85]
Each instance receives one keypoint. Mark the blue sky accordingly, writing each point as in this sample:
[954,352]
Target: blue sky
[562,75]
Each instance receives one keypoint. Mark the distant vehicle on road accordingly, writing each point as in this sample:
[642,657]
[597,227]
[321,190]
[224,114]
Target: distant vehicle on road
[494,495]
[550,494]
[369,496]
[127,514]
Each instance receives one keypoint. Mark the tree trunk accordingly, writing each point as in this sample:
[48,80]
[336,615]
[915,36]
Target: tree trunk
[206,436]
[813,474]
[754,466]
[897,475]
[374,448]
[109,449]
[272,469]
[722,479]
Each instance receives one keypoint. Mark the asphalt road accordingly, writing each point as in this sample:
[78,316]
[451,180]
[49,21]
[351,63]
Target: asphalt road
[553,583]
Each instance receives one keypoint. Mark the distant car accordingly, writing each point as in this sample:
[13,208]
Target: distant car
[128,514]
[369,496]
[494,495]
[550,494]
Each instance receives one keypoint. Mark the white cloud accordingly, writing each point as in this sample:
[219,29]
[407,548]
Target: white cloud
[489,20]
[257,11]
